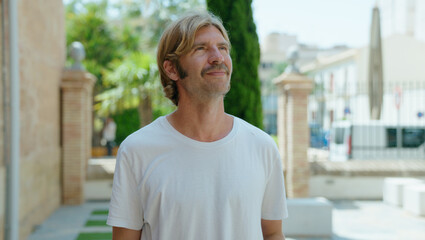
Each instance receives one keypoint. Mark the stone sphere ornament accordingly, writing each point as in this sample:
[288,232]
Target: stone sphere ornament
[77,53]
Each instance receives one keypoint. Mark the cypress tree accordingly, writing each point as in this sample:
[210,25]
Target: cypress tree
[244,98]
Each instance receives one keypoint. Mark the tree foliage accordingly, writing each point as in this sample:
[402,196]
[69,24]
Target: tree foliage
[244,98]
[86,23]
[127,122]
[153,16]
[120,38]
[135,83]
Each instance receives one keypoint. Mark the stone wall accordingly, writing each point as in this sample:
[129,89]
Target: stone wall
[42,58]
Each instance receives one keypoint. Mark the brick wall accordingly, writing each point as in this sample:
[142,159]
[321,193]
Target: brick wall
[293,132]
[42,56]
[76,136]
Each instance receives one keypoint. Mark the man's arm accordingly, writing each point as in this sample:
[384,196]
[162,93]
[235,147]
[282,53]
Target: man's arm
[119,233]
[272,229]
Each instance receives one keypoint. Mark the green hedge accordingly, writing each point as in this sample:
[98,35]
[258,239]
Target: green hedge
[127,122]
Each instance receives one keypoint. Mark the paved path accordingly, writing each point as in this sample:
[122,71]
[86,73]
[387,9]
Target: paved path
[372,220]
[352,220]
[67,222]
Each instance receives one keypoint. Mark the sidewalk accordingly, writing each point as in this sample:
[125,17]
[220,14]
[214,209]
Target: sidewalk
[69,223]
[352,220]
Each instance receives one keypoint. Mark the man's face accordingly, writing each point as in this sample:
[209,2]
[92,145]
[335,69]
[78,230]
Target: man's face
[206,69]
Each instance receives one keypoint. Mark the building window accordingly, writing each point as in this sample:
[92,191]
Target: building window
[413,137]
[339,135]
[391,137]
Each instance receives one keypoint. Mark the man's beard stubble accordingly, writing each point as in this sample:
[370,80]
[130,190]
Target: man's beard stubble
[183,74]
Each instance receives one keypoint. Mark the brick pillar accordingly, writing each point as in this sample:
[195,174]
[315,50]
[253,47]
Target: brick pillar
[77,90]
[293,131]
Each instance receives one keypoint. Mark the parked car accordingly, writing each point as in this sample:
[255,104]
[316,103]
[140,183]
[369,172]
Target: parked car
[375,140]
[318,136]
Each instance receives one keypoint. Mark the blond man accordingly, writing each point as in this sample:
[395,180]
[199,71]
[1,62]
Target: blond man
[197,173]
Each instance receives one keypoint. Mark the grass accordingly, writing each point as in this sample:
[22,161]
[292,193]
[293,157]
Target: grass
[96,223]
[100,212]
[94,236]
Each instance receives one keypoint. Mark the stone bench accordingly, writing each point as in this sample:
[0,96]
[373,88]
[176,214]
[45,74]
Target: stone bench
[98,189]
[100,173]
[393,189]
[414,199]
[308,217]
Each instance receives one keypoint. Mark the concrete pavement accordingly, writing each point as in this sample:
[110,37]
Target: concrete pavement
[352,220]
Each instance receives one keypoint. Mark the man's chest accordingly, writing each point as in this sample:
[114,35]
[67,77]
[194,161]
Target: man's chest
[200,182]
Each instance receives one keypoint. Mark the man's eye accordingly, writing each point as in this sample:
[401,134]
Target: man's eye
[199,48]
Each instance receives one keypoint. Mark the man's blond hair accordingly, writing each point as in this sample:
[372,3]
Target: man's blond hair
[177,40]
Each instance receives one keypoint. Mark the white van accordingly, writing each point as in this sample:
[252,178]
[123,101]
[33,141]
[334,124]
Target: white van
[366,141]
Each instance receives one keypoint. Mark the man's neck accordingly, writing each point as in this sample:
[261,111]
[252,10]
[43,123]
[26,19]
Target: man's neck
[204,122]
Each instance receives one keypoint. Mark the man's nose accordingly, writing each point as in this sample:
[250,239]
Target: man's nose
[216,57]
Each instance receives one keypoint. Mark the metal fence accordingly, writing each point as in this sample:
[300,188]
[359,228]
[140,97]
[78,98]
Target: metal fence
[340,121]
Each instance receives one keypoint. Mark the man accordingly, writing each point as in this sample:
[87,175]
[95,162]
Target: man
[198,173]
[109,132]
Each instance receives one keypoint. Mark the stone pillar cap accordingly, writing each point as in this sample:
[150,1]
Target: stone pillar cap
[77,78]
[288,78]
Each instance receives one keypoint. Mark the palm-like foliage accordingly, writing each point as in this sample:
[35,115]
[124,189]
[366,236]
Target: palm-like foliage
[87,23]
[133,83]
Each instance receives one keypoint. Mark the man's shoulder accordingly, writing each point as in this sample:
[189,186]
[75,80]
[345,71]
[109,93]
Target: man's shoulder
[254,133]
[145,135]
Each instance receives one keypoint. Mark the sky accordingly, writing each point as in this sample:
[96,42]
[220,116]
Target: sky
[324,23]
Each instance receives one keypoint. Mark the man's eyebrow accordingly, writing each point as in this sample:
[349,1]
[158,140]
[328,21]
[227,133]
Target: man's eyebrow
[198,44]
[204,43]
[224,44]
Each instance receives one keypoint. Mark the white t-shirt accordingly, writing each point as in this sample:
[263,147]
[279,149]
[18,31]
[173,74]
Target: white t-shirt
[178,188]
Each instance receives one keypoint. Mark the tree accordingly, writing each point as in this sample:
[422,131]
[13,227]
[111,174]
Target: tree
[127,80]
[135,83]
[152,16]
[244,98]
[86,23]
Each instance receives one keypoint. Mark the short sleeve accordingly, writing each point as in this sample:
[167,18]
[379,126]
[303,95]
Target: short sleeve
[274,201]
[125,209]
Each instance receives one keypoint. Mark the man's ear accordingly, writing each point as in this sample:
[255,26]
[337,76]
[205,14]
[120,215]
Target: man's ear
[170,70]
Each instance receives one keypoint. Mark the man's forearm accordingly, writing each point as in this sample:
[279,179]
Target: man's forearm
[275,237]
[125,234]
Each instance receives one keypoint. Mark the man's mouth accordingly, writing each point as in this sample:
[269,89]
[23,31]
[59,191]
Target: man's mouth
[215,70]
[216,73]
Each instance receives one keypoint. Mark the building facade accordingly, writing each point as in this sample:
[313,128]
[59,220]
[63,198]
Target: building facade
[405,17]
[341,84]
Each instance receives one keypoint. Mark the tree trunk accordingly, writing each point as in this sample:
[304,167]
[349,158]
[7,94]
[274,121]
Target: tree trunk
[145,110]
